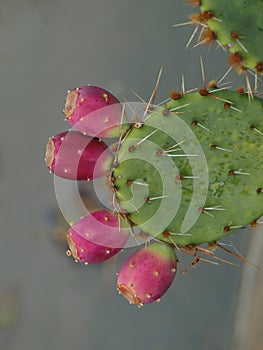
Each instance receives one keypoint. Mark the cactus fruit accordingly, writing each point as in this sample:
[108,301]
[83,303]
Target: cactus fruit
[97,237]
[85,110]
[147,274]
[235,25]
[71,155]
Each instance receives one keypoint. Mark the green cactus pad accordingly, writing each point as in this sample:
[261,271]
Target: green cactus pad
[238,26]
[192,171]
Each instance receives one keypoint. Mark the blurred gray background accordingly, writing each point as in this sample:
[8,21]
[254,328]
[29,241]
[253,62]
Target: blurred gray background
[46,300]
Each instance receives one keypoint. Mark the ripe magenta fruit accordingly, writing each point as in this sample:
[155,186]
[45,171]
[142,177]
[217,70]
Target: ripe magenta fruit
[87,109]
[73,156]
[147,274]
[97,237]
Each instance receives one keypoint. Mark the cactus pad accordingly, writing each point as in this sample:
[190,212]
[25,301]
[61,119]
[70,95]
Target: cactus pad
[194,176]
[236,25]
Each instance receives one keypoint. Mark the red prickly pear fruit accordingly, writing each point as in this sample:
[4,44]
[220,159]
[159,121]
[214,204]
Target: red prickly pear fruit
[147,274]
[97,237]
[73,156]
[95,112]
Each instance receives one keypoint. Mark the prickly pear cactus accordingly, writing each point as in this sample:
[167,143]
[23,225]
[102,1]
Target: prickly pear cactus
[181,174]
[236,26]
[175,176]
